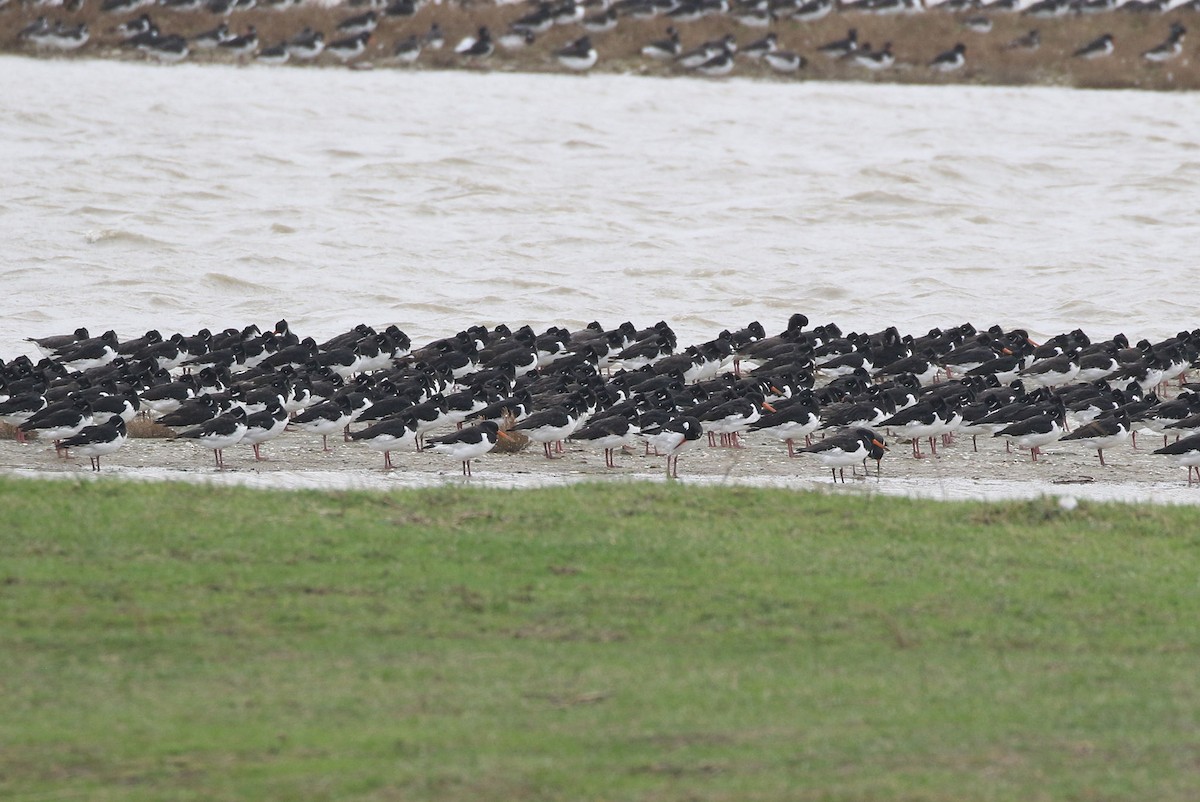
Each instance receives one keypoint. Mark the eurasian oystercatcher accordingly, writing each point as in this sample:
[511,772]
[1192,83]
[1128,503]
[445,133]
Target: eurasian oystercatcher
[1104,432]
[795,418]
[671,437]
[388,435]
[550,426]
[579,55]
[664,49]
[1166,51]
[1034,431]
[847,447]
[784,61]
[97,440]
[478,46]
[1184,452]
[950,60]
[840,48]
[49,346]
[1097,48]
[349,48]
[219,433]
[60,421]
[326,418]
[467,444]
[609,433]
[263,426]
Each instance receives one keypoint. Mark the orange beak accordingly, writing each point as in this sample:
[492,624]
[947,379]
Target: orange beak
[768,407]
[505,435]
[881,444]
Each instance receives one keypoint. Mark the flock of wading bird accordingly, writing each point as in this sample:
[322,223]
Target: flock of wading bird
[384,31]
[614,389]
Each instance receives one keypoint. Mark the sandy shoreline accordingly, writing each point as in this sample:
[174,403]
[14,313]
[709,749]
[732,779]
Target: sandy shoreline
[917,38]
[295,461]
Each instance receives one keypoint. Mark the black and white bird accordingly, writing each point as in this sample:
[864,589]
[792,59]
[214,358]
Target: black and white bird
[243,45]
[349,48]
[60,421]
[326,418]
[275,54]
[408,50]
[360,24]
[219,433]
[672,437]
[849,447]
[931,418]
[306,45]
[608,433]
[813,10]
[784,61]
[550,426]
[664,49]
[388,435]
[20,408]
[1034,432]
[840,48]
[98,440]
[1169,49]
[50,345]
[466,444]
[950,60]
[580,55]
[708,51]
[874,59]
[761,47]
[1184,452]
[477,46]
[717,66]
[601,22]
[792,420]
[516,39]
[211,38]
[263,426]
[1104,432]
[1097,48]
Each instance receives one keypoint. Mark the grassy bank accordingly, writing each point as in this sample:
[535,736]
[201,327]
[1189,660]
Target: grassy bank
[592,642]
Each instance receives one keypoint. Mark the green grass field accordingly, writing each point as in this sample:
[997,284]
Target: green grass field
[598,642]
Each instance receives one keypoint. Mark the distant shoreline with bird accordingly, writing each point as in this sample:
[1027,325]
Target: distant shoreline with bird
[1096,44]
